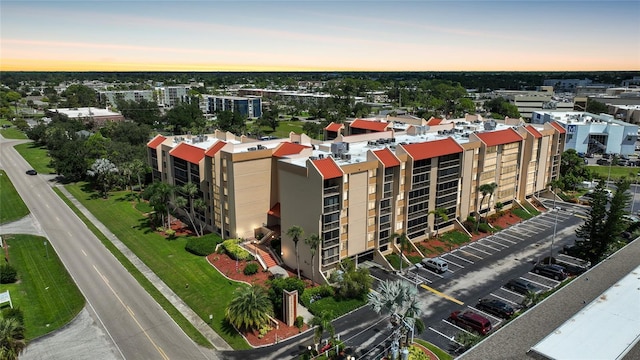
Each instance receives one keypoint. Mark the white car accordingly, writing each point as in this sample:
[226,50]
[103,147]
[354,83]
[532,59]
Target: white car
[436,264]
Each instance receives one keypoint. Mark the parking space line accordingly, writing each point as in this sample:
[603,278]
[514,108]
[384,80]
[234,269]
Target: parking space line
[470,254]
[497,319]
[503,299]
[536,283]
[512,292]
[546,222]
[476,249]
[451,262]
[456,326]
[495,242]
[481,243]
[450,338]
[461,258]
[441,294]
[544,277]
[501,234]
[501,237]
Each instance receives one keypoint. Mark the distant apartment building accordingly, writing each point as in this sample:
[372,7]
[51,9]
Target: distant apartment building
[591,133]
[529,101]
[566,85]
[170,96]
[110,97]
[358,189]
[249,106]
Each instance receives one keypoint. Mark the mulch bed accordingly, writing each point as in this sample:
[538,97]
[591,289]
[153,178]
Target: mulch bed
[227,267]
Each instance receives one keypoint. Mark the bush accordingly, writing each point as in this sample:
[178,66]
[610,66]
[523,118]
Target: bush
[13,313]
[200,246]
[276,244]
[235,251]
[316,293]
[250,269]
[299,322]
[8,274]
[484,228]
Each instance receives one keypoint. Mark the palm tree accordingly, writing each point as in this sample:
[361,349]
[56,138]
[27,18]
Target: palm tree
[191,190]
[439,213]
[161,195]
[531,298]
[296,232]
[250,308]
[486,189]
[399,299]
[313,241]
[403,241]
[322,324]
[12,340]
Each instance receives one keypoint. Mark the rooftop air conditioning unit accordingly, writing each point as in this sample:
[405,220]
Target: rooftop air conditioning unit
[252,149]
[321,156]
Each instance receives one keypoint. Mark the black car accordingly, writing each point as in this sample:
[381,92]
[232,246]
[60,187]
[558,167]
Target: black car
[31,172]
[552,271]
[495,307]
[521,286]
[571,250]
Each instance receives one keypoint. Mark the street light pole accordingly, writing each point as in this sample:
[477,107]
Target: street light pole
[635,188]
[555,228]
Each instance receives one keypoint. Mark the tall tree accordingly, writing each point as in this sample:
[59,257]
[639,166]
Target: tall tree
[250,308]
[487,189]
[159,195]
[439,213]
[323,323]
[403,241]
[295,233]
[78,95]
[185,116]
[12,341]
[313,241]
[104,172]
[592,230]
[354,282]
[191,191]
[398,299]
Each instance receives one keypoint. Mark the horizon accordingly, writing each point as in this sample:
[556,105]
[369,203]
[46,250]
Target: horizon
[316,36]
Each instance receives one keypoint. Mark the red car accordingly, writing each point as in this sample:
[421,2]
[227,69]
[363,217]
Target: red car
[471,321]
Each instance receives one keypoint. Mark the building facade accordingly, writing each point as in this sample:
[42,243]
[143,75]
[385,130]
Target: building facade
[249,106]
[110,97]
[356,191]
[591,133]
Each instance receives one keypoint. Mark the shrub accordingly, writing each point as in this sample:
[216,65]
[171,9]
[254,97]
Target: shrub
[316,293]
[200,246]
[250,269]
[235,251]
[170,233]
[484,228]
[276,287]
[276,244]
[14,313]
[299,322]
[8,274]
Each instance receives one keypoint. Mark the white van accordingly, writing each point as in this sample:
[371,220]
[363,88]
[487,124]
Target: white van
[436,264]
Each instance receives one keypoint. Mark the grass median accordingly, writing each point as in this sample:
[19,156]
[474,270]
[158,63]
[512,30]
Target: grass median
[36,156]
[191,277]
[45,291]
[11,205]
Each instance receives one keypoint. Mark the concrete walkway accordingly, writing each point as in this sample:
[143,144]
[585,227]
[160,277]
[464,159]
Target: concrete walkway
[176,301]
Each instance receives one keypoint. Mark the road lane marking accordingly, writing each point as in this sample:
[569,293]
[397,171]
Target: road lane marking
[85,254]
[104,278]
[441,294]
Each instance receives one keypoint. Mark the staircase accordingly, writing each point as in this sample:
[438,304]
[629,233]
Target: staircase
[264,257]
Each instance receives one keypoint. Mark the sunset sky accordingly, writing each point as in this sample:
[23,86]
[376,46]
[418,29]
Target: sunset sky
[156,35]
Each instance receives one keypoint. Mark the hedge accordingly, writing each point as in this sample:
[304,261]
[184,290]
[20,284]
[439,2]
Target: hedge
[250,269]
[235,251]
[200,246]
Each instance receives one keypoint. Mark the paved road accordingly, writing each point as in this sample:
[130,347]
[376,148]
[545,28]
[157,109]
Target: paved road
[137,326]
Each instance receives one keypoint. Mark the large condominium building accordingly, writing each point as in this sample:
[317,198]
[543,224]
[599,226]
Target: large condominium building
[591,133]
[109,97]
[249,106]
[356,191]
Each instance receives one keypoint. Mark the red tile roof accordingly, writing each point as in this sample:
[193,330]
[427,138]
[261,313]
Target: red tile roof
[287,148]
[499,137]
[215,148]
[559,127]
[334,127]
[188,153]
[369,125]
[434,121]
[432,149]
[387,157]
[156,141]
[328,168]
[533,131]
[275,210]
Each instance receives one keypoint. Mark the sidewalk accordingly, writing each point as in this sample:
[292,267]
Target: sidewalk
[176,301]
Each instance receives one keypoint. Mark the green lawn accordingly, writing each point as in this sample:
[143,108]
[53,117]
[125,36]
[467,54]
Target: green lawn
[36,156]
[616,171]
[45,291]
[283,129]
[207,292]
[11,205]
[12,133]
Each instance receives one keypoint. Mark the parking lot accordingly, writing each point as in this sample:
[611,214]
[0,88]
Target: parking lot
[442,332]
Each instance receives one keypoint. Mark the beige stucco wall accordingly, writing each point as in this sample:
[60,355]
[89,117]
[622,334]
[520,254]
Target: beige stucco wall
[358,205]
[249,195]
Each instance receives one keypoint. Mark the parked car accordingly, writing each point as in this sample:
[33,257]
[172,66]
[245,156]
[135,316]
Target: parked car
[495,307]
[521,286]
[471,321]
[602,161]
[589,155]
[31,172]
[571,250]
[436,264]
[552,271]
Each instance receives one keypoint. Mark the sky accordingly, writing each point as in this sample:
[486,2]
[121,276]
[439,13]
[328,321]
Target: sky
[329,35]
